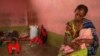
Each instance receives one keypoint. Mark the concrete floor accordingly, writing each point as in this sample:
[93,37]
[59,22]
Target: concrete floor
[26,50]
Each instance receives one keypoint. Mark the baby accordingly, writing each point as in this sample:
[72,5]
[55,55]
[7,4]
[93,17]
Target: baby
[81,42]
[13,46]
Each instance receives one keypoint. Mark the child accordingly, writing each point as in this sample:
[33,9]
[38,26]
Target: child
[37,40]
[34,36]
[33,31]
[13,46]
[81,42]
[13,34]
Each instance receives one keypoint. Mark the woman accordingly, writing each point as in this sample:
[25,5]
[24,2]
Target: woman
[72,33]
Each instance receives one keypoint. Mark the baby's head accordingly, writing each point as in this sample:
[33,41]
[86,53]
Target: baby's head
[13,41]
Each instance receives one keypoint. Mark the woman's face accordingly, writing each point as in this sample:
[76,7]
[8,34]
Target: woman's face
[79,14]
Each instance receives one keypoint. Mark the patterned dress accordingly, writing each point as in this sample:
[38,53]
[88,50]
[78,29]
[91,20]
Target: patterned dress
[72,32]
[93,47]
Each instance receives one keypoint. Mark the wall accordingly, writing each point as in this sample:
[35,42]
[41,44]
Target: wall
[13,12]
